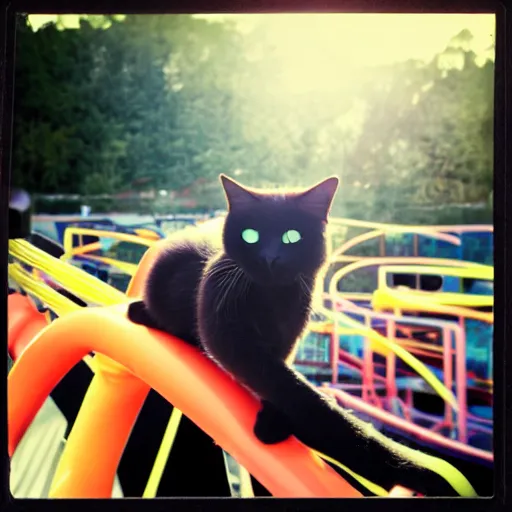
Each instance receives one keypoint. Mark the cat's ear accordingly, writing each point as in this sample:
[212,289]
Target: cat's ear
[236,194]
[317,200]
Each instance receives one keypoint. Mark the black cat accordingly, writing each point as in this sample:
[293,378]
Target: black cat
[245,301]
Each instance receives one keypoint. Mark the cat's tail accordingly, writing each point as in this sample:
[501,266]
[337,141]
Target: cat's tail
[329,429]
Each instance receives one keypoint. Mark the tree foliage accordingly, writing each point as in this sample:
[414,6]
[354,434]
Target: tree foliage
[170,100]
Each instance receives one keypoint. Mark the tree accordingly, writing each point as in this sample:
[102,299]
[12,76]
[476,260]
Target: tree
[167,102]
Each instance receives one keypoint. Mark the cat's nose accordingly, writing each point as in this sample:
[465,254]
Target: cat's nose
[271,261]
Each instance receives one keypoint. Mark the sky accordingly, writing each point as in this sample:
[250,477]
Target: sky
[370,38]
[321,49]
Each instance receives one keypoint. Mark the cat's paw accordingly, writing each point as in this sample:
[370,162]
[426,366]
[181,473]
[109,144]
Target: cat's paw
[138,314]
[271,426]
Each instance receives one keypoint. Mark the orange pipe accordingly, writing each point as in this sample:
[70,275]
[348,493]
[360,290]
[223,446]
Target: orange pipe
[82,249]
[103,233]
[136,286]
[391,389]
[93,472]
[412,343]
[96,443]
[185,377]
[419,352]
[334,354]
[110,406]
[448,374]
[23,322]
[147,233]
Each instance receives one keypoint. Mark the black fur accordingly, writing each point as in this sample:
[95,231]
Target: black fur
[246,305]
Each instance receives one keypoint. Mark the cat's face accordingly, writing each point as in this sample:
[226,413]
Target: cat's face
[276,238]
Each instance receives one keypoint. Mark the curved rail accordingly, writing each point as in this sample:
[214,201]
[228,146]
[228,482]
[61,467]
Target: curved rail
[422,433]
[457,228]
[390,260]
[400,260]
[398,300]
[148,358]
[485,272]
[353,242]
[82,250]
[191,382]
[449,330]
[25,322]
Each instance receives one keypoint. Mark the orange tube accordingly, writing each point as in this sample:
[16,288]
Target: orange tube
[114,399]
[83,249]
[24,322]
[96,443]
[136,285]
[110,407]
[185,377]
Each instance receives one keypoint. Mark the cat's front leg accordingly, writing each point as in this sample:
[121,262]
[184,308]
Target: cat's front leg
[271,425]
[138,314]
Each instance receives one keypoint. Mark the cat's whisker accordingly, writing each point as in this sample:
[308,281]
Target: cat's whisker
[220,269]
[242,290]
[233,285]
[304,285]
[225,274]
[232,304]
[254,346]
[222,286]
[226,285]
[246,286]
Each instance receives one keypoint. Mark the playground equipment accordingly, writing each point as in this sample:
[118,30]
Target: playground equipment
[149,359]
[450,354]
[438,309]
[107,247]
[472,243]
[363,275]
[377,386]
[130,359]
[111,255]
[54,226]
[465,281]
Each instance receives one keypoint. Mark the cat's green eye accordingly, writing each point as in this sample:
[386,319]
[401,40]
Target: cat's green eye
[250,236]
[291,237]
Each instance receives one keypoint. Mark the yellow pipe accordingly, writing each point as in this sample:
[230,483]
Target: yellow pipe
[480,272]
[410,301]
[81,283]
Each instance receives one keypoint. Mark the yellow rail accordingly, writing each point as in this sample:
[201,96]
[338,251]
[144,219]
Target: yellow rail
[413,300]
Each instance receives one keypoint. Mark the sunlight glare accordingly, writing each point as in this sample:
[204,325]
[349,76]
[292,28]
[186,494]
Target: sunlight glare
[318,51]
